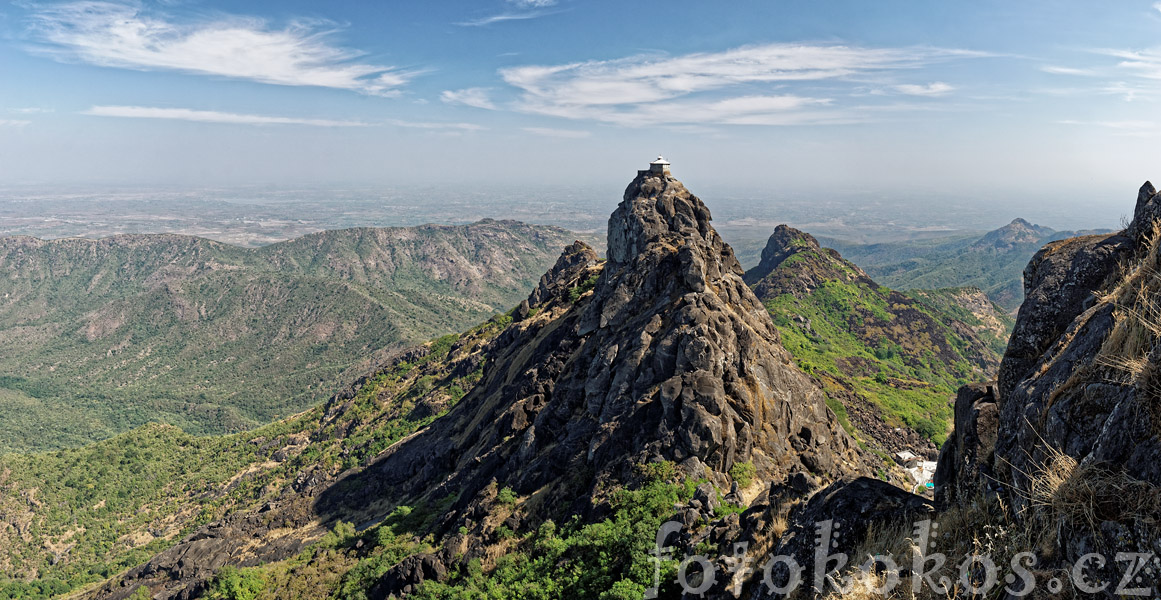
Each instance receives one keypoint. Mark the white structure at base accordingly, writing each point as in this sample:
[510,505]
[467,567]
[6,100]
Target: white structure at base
[659,166]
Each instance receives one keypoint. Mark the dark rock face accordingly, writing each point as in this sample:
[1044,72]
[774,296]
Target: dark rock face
[670,357]
[572,262]
[1062,400]
[852,507]
[965,460]
[660,353]
[1145,213]
[1058,285]
[407,576]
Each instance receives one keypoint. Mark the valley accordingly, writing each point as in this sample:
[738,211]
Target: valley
[107,335]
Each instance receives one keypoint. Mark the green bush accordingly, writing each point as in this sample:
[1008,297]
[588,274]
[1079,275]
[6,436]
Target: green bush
[743,473]
[232,583]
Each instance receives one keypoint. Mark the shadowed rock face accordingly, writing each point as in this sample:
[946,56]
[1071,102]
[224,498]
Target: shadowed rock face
[1059,395]
[965,460]
[669,356]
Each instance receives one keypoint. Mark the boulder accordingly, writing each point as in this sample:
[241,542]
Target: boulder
[964,469]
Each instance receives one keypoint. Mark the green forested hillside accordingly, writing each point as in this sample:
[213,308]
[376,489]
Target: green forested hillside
[72,517]
[104,335]
[903,353]
[993,262]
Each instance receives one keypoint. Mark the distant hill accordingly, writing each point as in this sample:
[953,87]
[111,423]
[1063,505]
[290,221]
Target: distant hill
[104,335]
[994,262]
[887,359]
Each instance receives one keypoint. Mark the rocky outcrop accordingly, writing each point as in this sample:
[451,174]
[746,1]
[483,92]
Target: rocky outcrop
[576,257]
[813,266]
[964,470]
[669,357]
[1077,434]
[659,353]
[843,514]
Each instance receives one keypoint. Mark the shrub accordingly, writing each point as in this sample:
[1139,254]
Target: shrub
[232,583]
[743,473]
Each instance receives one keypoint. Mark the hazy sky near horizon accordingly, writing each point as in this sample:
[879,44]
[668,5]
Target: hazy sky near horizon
[994,96]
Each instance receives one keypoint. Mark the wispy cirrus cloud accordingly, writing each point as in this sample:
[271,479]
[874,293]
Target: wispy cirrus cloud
[703,87]
[31,110]
[1124,125]
[1058,70]
[500,18]
[475,97]
[212,116]
[128,36]
[937,88]
[14,122]
[558,133]
[437,125]
[524,10]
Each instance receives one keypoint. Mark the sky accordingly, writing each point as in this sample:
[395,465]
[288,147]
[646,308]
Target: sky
[999,98]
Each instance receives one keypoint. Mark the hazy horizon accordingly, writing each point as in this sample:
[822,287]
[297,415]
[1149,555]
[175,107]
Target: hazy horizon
[995,98]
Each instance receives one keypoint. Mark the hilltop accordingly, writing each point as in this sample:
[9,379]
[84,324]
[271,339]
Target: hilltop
[888,360]
[539,450]
[993,262]
[105,335]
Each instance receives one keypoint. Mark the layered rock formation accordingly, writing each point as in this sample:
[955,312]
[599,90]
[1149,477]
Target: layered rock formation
[669,357]
[660,353]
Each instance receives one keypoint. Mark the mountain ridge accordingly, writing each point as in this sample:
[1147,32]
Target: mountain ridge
[615,375]
[217,337]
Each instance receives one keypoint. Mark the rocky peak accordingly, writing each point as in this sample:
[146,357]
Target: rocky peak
[669,357]
[575,259]
[1146,213]
[813,265]
[1018,232]
[658,209]
[783,242]
[660,353]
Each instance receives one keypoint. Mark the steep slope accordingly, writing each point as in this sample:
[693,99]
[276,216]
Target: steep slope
[1055,470]
[891,359]
[616,384]
[109,334]
[992,262]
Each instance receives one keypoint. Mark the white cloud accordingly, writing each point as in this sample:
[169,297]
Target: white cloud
[560,133]
[643,90]
[437,125]
[120,35]
[500,18]
[211,116]
[1142,63]
[31,110]
[1157,6]
[477,97]
[1121,125]
[937,88]
[14,123]
[1057,70]
[532,3]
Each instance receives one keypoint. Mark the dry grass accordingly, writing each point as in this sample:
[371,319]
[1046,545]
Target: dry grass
[1131,347]
[1064,494]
